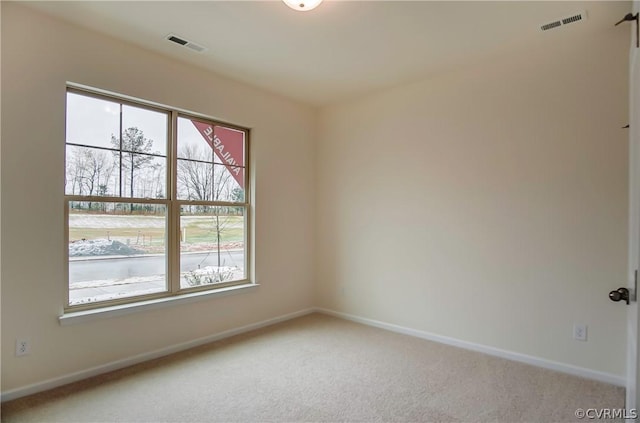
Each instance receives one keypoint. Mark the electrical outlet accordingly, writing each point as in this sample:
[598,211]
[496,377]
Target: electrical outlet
[22,347]
[580,332]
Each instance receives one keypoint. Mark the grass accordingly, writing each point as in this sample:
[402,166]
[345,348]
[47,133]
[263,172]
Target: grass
[198,229]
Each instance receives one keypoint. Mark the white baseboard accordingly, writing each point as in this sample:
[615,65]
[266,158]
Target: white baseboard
[129,361]
[509,355]
[119,364]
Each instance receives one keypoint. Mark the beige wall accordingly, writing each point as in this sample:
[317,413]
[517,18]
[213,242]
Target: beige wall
[487,205]
[38,56]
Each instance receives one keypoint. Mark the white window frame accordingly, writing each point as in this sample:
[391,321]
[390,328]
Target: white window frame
[172,204]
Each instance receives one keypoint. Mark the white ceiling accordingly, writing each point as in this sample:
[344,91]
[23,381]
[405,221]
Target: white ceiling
[342,49]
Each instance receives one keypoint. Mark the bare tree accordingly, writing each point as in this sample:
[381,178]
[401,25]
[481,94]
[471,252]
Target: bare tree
[76,169]
[199,179]
[97,163]
[195,175]
[99,170]
[89,171]
[135,150]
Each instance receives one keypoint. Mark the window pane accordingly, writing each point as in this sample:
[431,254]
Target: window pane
[116,250]
[195,180]
[200,181]
[201,140]
[230,148]
[143,176]
[92,171]
[191,143]
[228,183]
[144,130]
[212,245]
[92,121]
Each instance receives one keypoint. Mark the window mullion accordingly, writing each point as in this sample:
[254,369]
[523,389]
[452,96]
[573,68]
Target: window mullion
[120,149]
[173,261]
[66,253]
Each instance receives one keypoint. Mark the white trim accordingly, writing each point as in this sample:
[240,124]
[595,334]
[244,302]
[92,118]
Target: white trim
[129,361]
[73,317]
[497,352]
[125,362]
[632,398]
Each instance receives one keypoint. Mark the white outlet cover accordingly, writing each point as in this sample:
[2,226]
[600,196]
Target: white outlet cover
[23,347]
[580,332]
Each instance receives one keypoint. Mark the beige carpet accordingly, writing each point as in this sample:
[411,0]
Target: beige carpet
[319,368]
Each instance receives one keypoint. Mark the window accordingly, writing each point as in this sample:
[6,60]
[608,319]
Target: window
[155,202]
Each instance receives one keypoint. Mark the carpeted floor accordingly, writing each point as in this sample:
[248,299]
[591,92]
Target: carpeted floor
[319,368]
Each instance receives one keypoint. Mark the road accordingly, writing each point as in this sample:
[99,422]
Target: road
[124,267]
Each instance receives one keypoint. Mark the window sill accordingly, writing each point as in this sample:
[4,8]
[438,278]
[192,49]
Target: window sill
[74,317]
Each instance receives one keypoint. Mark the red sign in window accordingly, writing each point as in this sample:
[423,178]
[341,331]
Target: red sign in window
[228,144]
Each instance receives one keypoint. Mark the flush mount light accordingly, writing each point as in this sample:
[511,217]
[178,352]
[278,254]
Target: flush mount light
[302,5]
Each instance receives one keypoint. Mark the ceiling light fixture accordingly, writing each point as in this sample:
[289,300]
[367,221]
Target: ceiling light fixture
[302,5]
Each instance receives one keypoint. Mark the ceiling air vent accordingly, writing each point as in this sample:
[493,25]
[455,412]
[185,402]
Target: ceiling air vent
[571,19]
[186,43]
[551,25]
[576,17]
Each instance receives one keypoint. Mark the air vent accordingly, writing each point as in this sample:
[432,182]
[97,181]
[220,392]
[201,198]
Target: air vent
[195,47]
[186,43]
[551,25]
[571,19]
[177,40]
[576,17]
